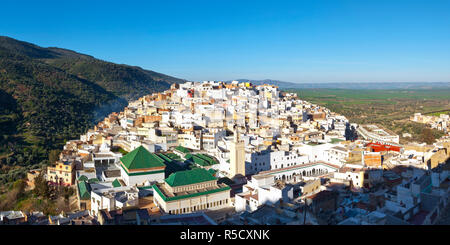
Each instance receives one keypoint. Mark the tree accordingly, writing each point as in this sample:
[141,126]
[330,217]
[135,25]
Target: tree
[67,192]
[53,156]
[19,185]
[427,136]
[41,187]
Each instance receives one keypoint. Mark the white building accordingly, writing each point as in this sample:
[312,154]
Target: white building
[113,198]
[261,190]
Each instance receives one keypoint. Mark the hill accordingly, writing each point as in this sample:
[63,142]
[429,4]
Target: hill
[50,95]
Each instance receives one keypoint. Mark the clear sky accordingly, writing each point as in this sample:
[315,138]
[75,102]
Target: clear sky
[296,41]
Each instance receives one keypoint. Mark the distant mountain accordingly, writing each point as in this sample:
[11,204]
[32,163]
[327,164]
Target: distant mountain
[347,85]
[51,94]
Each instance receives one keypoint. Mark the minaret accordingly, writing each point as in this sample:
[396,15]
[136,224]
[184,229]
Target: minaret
[237,155]
[362,160]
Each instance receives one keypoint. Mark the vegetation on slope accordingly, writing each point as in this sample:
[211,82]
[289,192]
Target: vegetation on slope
[50,95]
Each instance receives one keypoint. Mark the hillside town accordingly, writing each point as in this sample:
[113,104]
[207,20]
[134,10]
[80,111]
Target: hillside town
[235,153]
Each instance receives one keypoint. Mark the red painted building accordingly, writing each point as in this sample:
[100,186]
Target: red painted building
[377,147]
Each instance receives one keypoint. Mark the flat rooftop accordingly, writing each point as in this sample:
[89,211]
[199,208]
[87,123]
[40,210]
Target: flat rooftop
[111,173]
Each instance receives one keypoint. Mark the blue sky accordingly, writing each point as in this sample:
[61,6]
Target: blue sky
[296,41]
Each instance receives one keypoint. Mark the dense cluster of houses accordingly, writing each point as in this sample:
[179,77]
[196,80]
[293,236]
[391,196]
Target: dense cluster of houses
[441,122]
[236,153]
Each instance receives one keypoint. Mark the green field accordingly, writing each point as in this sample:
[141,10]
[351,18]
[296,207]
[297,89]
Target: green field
[438,113]
[378,94]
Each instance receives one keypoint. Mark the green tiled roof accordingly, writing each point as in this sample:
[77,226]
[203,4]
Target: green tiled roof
[173,156]
[189,177]
[212,171]
[141,158]
[116,183]
[167,199]
[182,149]
[141,173]
[85,190]
[83,178]
[199,161]
[164,157]
[207,158]
[93,180]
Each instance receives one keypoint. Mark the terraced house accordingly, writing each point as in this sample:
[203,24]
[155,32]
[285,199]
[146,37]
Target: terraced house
[140,167]
[191,191]
[61,173]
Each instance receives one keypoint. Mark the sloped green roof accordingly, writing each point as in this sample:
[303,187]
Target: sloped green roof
[93,180]
[141,158]
[207,158]
[167,199]
[83,178]
[173,156]
[182,149]
[212,171]
[116,183]
[85,190]
[199,161]
[164,157]
[188,177]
